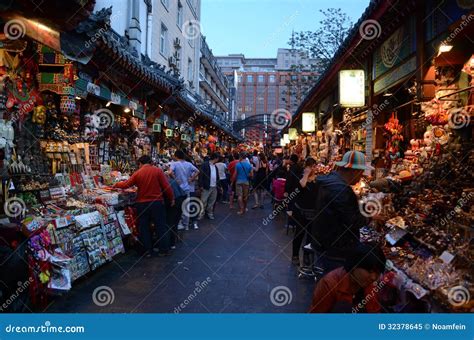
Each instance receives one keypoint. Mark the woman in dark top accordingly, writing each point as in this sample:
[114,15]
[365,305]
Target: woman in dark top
[304,212]
[261,179]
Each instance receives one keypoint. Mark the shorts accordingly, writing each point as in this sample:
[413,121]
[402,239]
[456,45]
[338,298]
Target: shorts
[242,189]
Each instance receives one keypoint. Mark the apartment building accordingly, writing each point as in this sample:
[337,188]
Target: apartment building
[213,84]
[264,85]
[167,31]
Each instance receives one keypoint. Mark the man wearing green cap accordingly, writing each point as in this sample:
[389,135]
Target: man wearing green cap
[338,217]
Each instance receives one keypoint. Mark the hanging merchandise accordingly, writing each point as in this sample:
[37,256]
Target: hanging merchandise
[393,130]
[68,103]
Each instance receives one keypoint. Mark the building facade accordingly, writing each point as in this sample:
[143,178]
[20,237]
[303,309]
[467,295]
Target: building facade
[263,86]
[166,31]
[213,84]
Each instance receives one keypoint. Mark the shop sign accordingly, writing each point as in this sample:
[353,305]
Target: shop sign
[115,98]
[352,88]
[286,138]
[308,122]
[293,133]
[395,49]
[133,105]
[94,89]
[368,139]
[395,75]
[282,142]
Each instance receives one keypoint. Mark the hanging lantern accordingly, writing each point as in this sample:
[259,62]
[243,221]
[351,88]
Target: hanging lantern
[309,122]
[293,133]
[282,142]
[286,138]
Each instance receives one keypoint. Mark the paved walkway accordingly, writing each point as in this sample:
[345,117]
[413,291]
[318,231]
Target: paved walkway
[229,265]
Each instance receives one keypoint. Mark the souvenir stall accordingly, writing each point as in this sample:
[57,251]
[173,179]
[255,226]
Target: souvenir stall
[55,160]
[424,206]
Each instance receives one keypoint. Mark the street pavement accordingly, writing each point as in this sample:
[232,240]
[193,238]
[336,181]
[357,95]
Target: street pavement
[233,264]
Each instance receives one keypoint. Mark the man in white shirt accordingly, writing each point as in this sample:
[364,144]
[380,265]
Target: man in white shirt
[208,180]
[185,174]
[223,181]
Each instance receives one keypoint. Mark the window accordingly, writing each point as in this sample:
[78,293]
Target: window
[249,79]
[260,78]
[294,78]
[271,78]
[163,40]
[179,19]
[239,79]
[166,3]
[282,79]
[190,70]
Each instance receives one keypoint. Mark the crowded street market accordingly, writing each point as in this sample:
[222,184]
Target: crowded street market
[126,190]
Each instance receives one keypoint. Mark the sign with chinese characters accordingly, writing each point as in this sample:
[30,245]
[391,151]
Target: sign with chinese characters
[352,88]
[308,122]
[93,88]
[115,98]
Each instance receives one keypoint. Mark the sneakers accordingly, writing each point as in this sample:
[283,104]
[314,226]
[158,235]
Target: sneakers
[173,247]
[195,226]
[225,202]
[211,217]
[181,227]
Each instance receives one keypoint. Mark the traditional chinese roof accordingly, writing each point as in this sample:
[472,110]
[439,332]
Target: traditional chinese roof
[115,47]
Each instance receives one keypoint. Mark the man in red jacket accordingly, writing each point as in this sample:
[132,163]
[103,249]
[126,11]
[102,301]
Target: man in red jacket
[153,187]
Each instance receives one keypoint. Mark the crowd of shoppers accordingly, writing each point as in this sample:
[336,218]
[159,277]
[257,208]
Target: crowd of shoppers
[322,209]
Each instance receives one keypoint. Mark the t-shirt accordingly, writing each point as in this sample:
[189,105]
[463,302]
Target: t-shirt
[182,171]
[256,163]
[243,172]
[213,181]
[221,167]
[231,167]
